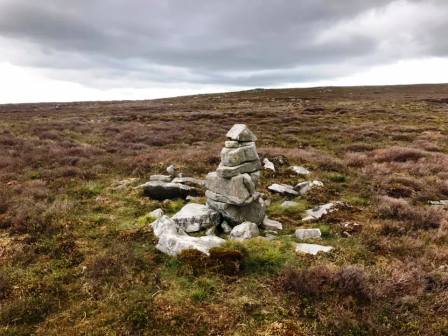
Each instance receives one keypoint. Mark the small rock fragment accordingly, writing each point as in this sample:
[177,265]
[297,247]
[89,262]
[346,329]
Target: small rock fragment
[441,202]
[157,213]
[172,170]
[270,224]
[300,170]
[302,234]
[268,165]
[244,231]
[304,187]
[319,211]
[313,249]
[283,189]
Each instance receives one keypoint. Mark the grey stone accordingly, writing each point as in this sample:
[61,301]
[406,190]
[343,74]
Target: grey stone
[441,202]
[195,217]
[253,212]
[237,190]
[300,170]
[240,132]
[157,213]
[161,178]
[283,189]
[289,204]
[164,225]
[236,144]
[247,167]
[189,181]
[226,228]
[319,211]
[167,190]
[268,165]
[302,234]
[313,249]
[255,176]
[171,170]
[231,157]
[306,186]
[173,243]
[244,231]
[270,224]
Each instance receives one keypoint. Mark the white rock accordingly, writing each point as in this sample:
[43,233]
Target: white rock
[173,244]
[270,224]
[268,164]
[171,170]
[302,234]
[319,211]
[244,231]
[231,157]
[304,187]
[189,180]
[289,204]
[240,132]
[312,248]
[162,178]
[194,217]
[157,213]
[284,189]
[300,170]
[441,202]
[164,225]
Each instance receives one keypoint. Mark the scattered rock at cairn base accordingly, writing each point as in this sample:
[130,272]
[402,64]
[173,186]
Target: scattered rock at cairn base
[157,213]
[236,214]
[283,189]
[195,217]
[302,234]
[244,231]
[231,190]
[173,244]
[189,181]
[441,202]
[161,178]
[167,190]
[270,224]
[300,170]
[268,165]
[171,170]
[319,211]
[313,249]
[164,225]
[304,187]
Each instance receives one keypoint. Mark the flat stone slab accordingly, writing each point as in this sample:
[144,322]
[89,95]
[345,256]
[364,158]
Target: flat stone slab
[231,157]
[270,224]
[240,132]
[173,244]
[268,165]
[441,202]
[302,234]
[194,217]
[319,211]
[247,167]
[313,249]
[236,190]
[159,190]
[162,178]
[244,231]
[299,170]
[304,187]
[283,189]
[189,180]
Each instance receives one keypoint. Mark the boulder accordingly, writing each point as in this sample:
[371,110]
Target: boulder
[237,190]
[244,231]
[195,217]
[234,214]
[161,178]
[157,213]
[304,187]
[313,249]
[247,167]
[235,156]
[283,189]
[302,234]
[319,211]
[240,132]
[270,224]
[167,190]
[164,225]
[268,165]
[174,243]
[300,170]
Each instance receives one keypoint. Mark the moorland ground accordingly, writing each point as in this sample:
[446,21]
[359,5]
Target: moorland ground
[77,256]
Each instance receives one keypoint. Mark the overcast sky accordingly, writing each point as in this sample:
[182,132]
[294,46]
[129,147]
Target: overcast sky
[63,50]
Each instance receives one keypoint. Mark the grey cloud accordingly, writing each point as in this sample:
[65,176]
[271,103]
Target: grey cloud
[233,42]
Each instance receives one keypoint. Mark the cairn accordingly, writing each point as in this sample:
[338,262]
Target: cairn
[231,189]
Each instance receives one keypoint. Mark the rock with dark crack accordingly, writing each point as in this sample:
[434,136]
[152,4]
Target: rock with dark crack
[194,217]
[167,190]
[244,231]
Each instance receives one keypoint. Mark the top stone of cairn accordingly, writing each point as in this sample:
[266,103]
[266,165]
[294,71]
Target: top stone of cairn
[240,132]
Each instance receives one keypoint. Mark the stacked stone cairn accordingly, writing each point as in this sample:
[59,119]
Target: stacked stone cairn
[231,189]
